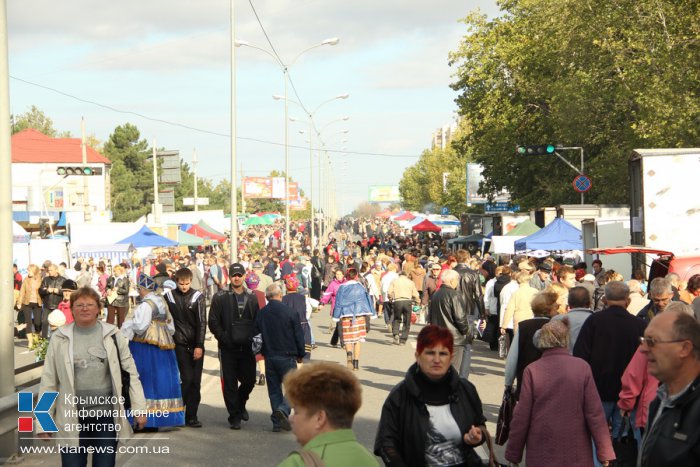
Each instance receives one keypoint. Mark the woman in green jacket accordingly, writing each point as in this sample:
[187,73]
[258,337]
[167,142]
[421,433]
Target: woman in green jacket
[325,398]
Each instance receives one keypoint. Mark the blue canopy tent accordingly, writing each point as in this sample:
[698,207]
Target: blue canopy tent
[559,235]
[145,237]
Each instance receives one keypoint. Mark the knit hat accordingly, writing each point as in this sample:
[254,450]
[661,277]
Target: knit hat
[169,284]
[147,282]
[252,280]
[69,284]
[291,282]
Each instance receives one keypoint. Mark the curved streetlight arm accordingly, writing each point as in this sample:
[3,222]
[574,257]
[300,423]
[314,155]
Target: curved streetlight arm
[248,44]
[331,41]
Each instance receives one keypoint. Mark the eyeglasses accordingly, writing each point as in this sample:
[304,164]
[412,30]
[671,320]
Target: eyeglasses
[237,275]
[85,306]
[651,342]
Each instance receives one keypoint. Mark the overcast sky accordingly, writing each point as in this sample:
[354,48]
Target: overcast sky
[170,60]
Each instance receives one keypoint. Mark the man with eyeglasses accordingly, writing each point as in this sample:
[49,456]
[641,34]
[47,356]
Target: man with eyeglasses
[231,319]
[660,295]
[671,345]
[607,341]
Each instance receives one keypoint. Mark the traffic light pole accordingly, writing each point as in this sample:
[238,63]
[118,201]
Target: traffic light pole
[578,170]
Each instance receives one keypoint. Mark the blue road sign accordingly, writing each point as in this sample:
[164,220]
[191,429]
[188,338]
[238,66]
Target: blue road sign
[445,211]
[582,183]
[501,206]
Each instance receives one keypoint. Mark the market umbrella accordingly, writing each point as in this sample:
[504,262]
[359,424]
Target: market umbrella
[201,232]
[257,220]
[406,216]
[188,239]
[426,226]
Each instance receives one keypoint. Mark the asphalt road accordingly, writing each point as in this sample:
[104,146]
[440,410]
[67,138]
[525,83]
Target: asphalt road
[382,366]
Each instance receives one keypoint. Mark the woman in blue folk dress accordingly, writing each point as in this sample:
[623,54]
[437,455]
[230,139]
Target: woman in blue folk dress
[150,330]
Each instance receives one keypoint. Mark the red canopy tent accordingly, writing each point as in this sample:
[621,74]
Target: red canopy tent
[406,216]
[201,232]
[426,226]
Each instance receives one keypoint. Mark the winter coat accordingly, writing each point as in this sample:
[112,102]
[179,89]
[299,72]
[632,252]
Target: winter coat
[569,415]
[329,296]
[519,308]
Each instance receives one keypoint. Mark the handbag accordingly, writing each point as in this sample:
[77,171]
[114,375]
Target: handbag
[505,416]
[625,446]
[503,346]
[492,461]
[489,330]
[126,377]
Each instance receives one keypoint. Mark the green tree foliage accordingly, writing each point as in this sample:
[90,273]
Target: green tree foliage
[421,186]
[607,76]
[36,119]
[131,176]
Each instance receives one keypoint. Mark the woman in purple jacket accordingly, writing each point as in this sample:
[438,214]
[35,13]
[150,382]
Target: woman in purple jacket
[559,406]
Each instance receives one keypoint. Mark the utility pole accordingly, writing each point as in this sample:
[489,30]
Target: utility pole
[83,147]
[234,176]
[242,194]
[8,441]
[194,168]
[156,210]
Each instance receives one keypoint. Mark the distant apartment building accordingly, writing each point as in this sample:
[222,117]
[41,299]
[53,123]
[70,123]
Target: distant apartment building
[443,136]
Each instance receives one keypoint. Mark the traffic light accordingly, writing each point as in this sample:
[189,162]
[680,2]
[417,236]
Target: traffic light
[539,150]
[79,171]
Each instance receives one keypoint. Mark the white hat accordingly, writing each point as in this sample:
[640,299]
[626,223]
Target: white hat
[57,318]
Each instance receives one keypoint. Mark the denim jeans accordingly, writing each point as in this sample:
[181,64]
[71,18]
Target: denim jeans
[96,435]
[275,369]
[612,415]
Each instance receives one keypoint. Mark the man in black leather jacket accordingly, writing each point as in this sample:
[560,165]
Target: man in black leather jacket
[672,347]
[232,319]
[187,306]
[51,296]
[447,309]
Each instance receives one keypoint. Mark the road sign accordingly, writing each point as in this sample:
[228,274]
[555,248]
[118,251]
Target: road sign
[445,211]
[582,183]
[501,207]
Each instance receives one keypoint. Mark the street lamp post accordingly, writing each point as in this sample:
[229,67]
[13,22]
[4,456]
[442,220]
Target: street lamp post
[311,115]
[285,72]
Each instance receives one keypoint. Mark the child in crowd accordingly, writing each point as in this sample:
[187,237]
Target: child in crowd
[69,286]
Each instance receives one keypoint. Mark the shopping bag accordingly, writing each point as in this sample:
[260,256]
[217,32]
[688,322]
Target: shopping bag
[625,446]
[505,415]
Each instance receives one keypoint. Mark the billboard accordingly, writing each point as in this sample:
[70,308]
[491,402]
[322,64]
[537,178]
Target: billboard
[474,179]
[268,187]
[384,194]
[298,204]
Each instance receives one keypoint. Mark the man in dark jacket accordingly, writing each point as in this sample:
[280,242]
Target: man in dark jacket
[607,341]
[283,348]
[447,309]
[470,286]
[51,296]
[672,347]
[187,306]
[232,321]
[660,295]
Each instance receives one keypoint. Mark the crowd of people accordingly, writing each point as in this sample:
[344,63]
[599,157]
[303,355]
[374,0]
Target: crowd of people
[584,350]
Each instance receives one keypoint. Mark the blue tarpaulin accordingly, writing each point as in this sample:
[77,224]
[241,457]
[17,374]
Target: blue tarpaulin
[146,237]
[559,235]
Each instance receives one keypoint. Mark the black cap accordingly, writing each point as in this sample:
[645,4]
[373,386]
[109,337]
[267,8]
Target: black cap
[545,267]
[69,284]
[236,268]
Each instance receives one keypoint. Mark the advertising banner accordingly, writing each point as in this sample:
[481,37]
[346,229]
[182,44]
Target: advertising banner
[257,187]
[384,194]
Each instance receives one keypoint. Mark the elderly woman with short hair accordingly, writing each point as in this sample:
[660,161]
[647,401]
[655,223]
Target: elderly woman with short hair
[84,360]
[325,398]
[559,393]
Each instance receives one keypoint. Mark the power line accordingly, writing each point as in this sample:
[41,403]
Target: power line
[188,127]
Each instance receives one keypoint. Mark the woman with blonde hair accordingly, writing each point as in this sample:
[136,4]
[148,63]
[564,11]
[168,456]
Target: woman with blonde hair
[30,302]
[562,296]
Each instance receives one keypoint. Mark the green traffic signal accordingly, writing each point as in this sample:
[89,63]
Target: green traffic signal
[539,150]
[87,171]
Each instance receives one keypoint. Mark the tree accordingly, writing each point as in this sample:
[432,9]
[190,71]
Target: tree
[607,76]
[36,119]
[131,177]
[365,209]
